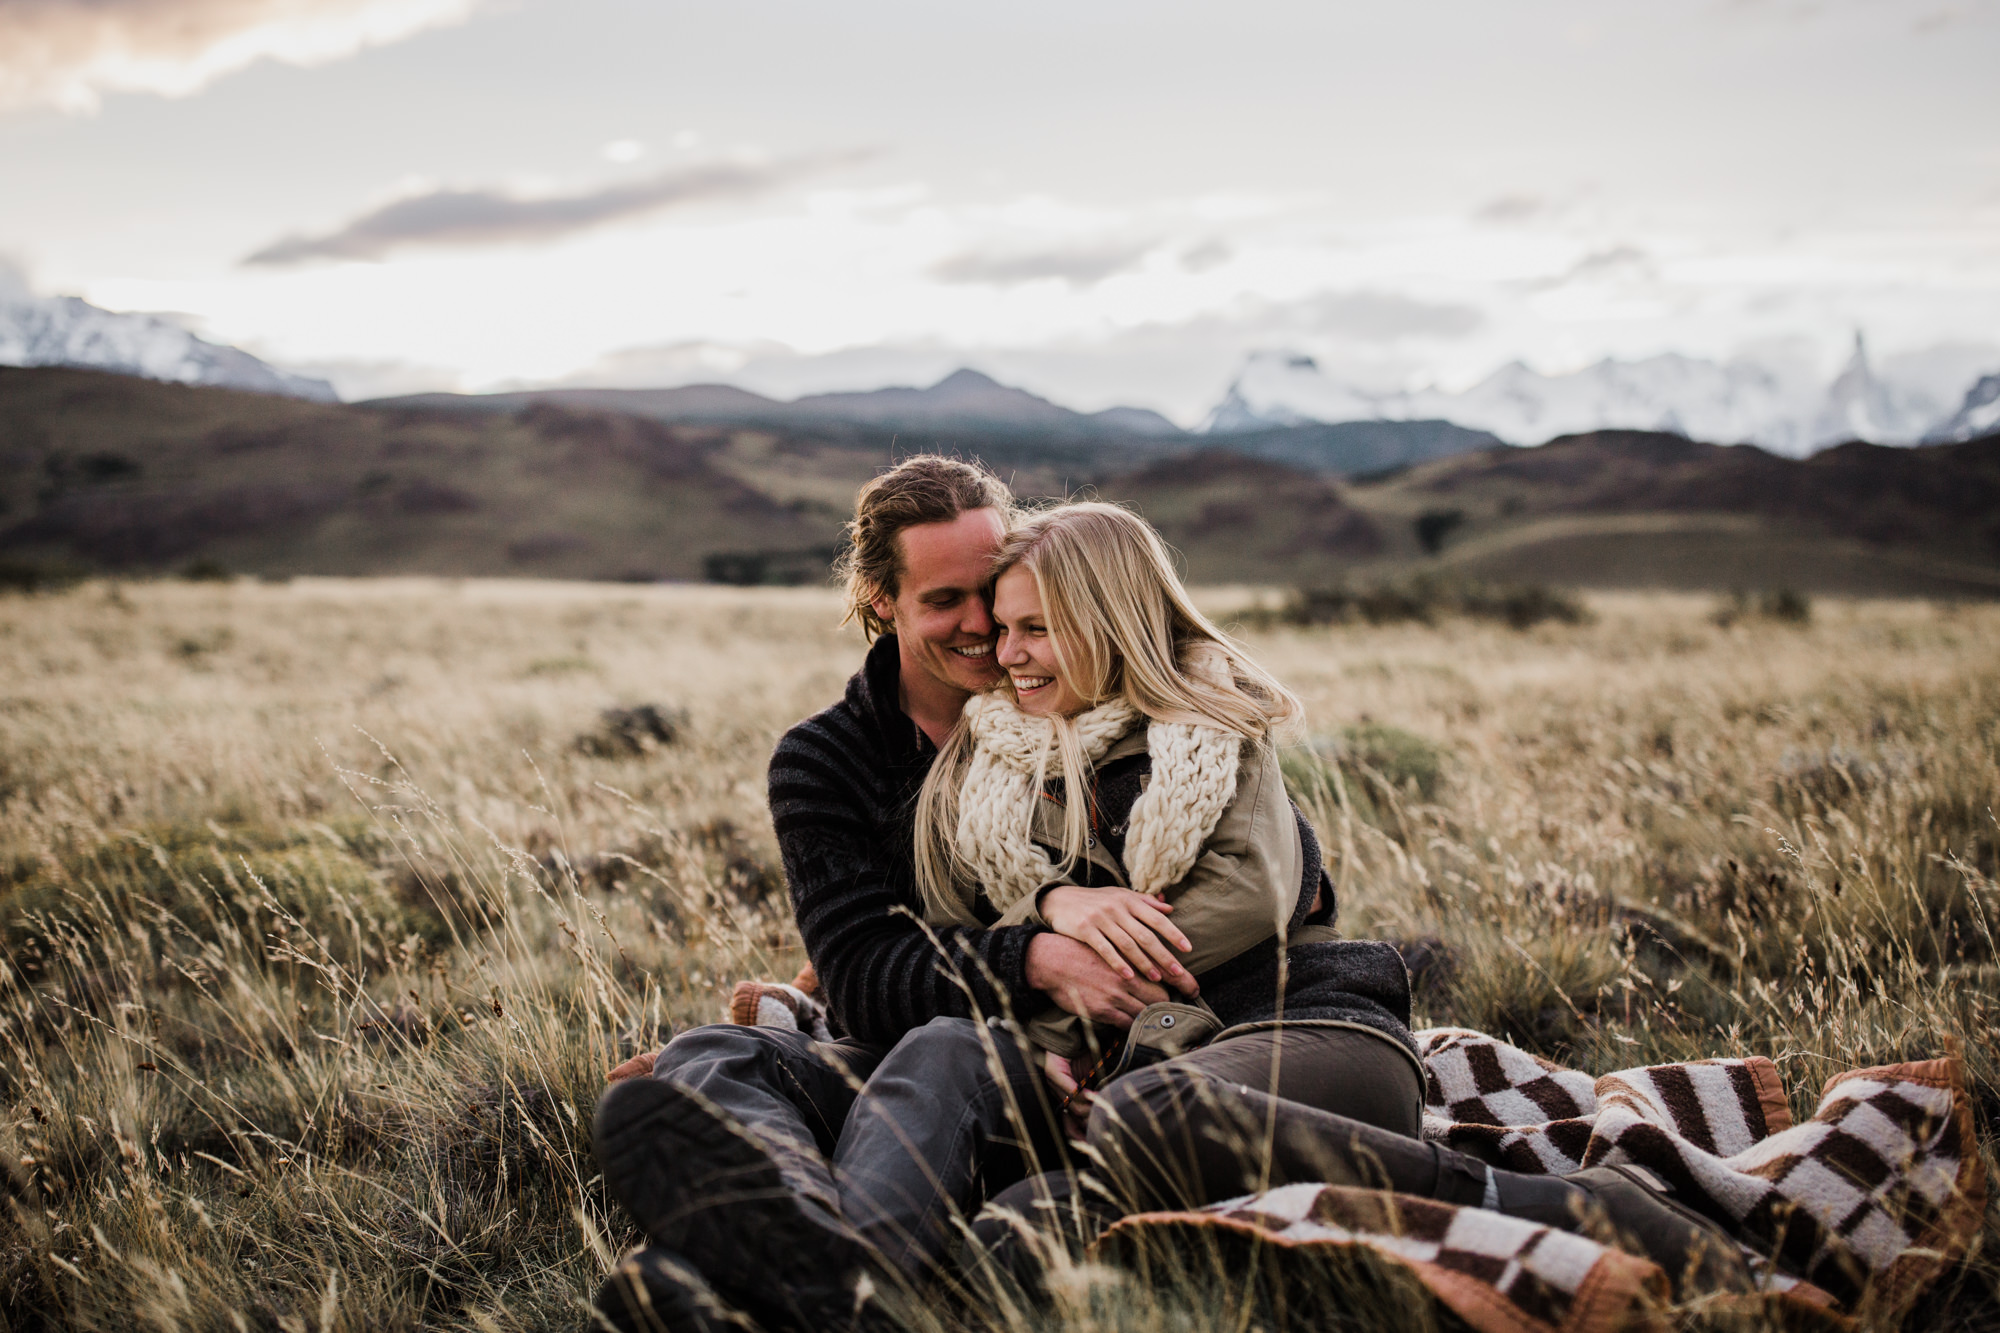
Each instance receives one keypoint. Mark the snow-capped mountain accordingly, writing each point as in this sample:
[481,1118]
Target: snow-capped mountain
[1735,401]
[1287,389]
[1979,416]
[1861,405]
[66,331]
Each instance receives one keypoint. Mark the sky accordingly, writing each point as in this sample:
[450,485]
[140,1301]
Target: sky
[1106,202]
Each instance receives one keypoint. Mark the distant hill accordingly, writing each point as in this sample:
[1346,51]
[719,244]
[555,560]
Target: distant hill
[1237,519]
[1354,448]
[963,402]
[1638,508]
[116,473]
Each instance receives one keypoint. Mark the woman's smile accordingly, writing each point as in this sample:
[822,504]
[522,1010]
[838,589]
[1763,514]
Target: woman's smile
[1027,648]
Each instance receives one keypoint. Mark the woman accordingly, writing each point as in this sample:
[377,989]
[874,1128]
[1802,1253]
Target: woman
[1175,848]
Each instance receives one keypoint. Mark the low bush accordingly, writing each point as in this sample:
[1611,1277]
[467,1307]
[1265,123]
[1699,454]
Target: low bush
[17,575]
[1370,767]
[1423,599]
[1785,606]
[207,569]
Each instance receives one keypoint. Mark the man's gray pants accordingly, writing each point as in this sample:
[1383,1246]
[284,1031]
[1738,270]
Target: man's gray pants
[898,1143]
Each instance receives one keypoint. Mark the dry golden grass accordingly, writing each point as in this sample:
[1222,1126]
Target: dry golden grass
[322,928]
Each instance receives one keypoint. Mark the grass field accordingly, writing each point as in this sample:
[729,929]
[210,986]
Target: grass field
[328,903]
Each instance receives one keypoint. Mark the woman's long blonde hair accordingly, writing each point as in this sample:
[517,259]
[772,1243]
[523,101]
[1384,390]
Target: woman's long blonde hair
[1122,626]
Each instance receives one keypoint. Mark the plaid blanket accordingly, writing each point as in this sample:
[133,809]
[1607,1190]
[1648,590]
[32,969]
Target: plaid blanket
[1874,1196]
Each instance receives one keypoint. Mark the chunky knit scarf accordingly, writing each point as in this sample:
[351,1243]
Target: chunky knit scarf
[1193,781]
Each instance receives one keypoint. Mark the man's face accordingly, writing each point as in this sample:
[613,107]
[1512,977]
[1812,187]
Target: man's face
[939,609]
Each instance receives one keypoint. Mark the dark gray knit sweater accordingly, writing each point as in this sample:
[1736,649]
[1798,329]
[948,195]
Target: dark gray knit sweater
[843,788]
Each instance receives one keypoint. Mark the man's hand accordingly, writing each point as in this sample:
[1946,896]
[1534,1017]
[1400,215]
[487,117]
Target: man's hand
[1083,984]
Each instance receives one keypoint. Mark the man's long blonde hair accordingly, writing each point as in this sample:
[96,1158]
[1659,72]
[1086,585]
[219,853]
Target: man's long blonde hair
[1122,626]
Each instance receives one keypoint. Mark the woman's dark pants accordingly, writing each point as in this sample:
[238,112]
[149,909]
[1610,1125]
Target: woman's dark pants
[1241,1114]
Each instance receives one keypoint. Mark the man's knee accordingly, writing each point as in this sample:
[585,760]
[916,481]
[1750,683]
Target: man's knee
[962,1053]
[944,1034]
[726,1045]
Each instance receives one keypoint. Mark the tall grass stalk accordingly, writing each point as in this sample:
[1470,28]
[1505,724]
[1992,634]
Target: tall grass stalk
[324,919]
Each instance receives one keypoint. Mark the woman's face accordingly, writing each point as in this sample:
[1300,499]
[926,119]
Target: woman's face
[1028,649]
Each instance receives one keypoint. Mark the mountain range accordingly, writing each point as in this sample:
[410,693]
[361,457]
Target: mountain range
[1980,415]
[1282,405]
[1742,401]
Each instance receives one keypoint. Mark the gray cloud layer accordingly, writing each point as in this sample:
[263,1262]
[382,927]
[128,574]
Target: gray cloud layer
[1385,315]
[1080,266]
[492,217]
[68,53]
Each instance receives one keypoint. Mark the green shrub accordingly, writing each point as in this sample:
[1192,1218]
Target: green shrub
[1786,606]
[187,883]
[1434,525]
[1374,763]
[18,575]
[1425,599]
[207,569]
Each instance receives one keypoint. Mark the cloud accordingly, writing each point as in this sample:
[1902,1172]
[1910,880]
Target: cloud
[1938,20]
[69,53]
[1384,315]
[1600,262]
[1209,254]
[495,217]
[357,379]
[1079,266]
[1510,208]
[14,284]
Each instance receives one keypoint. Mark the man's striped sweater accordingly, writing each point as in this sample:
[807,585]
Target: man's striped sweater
[843,789]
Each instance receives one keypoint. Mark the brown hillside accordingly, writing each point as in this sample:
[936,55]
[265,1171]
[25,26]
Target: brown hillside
[107,472]
[110,472]
[1624,509]
[1245,519]
[1945,497]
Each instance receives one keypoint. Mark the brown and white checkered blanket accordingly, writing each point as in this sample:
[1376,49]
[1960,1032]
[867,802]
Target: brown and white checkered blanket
[1880,1191]
[1872,1198]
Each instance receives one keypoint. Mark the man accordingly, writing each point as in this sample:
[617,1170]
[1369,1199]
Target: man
[775,1172]
[780,1175]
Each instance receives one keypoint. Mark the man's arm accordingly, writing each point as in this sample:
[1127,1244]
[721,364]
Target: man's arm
[881,972]
[879,969]
[1072,975]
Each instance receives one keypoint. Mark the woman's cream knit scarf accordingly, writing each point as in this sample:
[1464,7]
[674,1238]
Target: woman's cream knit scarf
[1193,781]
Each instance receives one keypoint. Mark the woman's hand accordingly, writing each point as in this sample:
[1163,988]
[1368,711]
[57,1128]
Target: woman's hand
[1128,930]
[1076,1102]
